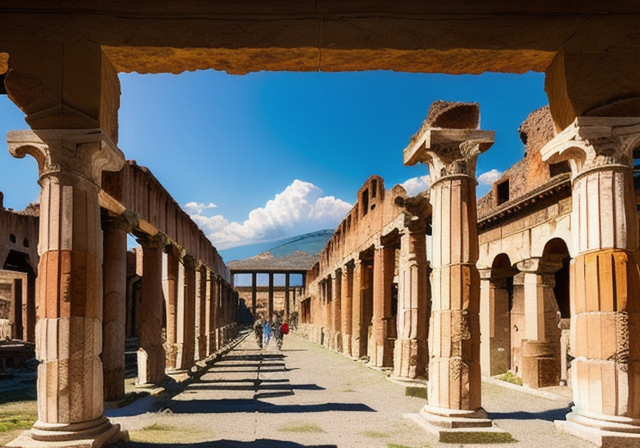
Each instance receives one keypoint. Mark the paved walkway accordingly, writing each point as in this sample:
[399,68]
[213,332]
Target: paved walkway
[307,396]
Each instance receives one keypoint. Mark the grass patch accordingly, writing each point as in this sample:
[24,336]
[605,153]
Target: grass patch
[394,445]
[159,427]
[375,434]
[418,392]
[301,427]
[510,377]
[11,422]
[476,437]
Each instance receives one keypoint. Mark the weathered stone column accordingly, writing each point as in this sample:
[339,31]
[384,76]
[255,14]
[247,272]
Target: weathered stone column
[200,313]
[114,268]
[381,347]
[69,285]
[287,296]
[540,357]
[254,293]
[450,143]
[170,273]
[411,355]
[495,325]
[209,312]
[270,306]
[605,285]
[151,355]
[359,328]
[346,318]
[186,314]
[336,311]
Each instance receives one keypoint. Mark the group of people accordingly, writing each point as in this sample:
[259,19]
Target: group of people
[264,331]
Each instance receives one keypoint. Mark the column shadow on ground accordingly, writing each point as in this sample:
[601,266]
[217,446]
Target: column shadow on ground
[260,443]
[252,405]
[549,415]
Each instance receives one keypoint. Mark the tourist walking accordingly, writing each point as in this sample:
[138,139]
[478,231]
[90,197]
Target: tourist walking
[266,334]
[277,335]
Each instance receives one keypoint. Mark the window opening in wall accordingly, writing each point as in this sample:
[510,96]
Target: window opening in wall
[12,238]
[556,169]
[25,242]
[365,202]
[374,188]
[503,192]
[636,168]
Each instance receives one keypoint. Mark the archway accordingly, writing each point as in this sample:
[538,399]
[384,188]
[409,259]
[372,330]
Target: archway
[502,322]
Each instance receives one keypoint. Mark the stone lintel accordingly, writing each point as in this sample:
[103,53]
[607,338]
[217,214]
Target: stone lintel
[538,265]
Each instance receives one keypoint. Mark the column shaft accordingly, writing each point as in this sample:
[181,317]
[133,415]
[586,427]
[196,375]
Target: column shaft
[346,318]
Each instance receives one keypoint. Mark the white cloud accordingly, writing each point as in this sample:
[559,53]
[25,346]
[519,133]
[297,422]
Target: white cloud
[197,209]
[489,177]
[299,209]
[416,185]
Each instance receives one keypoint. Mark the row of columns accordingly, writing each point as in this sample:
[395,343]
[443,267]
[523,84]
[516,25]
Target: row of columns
[288,297]
[356,305]
[81,294]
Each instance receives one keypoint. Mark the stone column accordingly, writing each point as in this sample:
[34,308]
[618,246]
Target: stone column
[540,357]
[336,311]
[381,347]
[347,310]
[170,273]
[186,314]
[495,323]
[114,268]
[605,286]
[254,293]
[287,286]
[69,285]
[151,355]
[200,314]
[411,355]
[270,306]
[454,333]
[209,311]
[358,328]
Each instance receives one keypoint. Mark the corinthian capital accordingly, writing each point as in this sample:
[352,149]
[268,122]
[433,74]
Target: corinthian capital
[594,143]
[451,150]
[87,152]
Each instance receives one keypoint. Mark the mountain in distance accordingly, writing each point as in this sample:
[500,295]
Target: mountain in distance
[311,243]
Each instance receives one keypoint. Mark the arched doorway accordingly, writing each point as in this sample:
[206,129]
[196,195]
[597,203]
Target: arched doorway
[501,325]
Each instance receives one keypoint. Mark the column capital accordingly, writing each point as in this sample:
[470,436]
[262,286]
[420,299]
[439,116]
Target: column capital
[592,143]
[87,152]
[448,141]
[152,241]
[538,265]
[126,221]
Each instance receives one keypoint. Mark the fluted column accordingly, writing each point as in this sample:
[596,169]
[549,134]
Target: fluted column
[186,314]
[151,355]
[69,285]
[170,273]
[114,267]
[411,356]
[381,347]
[454,333]
[605,285]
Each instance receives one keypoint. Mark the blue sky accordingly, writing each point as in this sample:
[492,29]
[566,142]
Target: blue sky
[266,156]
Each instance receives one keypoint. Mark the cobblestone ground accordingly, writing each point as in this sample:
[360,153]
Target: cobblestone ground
[307,396]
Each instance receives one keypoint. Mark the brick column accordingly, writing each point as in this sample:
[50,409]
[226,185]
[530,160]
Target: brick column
[151,355]
[114,268]
[605,288]
[454,333]
[411,355]
[346,318]
[69,284]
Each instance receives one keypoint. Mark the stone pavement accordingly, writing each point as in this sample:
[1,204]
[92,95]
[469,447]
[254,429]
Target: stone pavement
[307,396]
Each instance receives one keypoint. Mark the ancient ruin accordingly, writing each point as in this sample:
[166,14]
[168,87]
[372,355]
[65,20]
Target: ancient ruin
[498,298]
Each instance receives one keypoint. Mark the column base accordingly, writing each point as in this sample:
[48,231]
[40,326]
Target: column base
[615,432]
[455,426]
[92,434]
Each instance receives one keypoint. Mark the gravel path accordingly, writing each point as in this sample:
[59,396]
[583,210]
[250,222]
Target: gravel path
[307,396]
